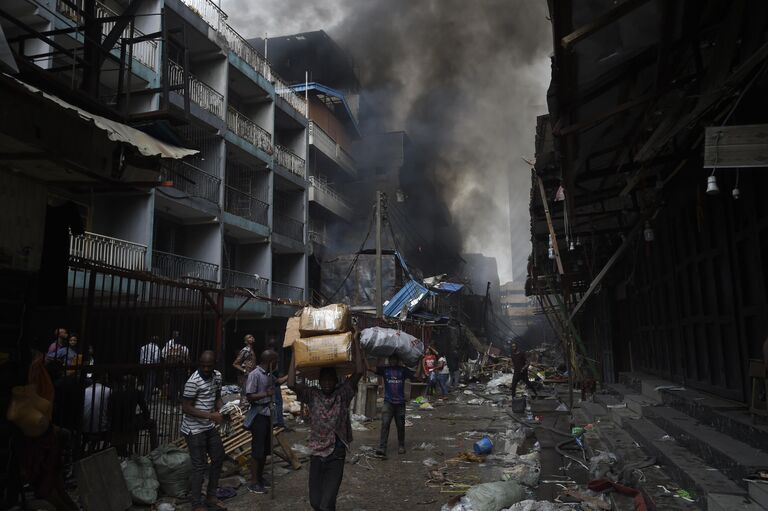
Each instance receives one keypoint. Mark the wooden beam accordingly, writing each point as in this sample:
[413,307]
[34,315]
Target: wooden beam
[581,126]
[736,146]
[551,227]
[602,21]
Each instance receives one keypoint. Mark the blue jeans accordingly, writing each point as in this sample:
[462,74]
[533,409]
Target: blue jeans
[442,381]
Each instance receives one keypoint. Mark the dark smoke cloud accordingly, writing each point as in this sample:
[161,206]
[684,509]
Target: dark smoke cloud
[465,79]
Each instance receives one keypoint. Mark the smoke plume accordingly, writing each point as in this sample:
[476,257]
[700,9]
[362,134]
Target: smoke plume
[465,79]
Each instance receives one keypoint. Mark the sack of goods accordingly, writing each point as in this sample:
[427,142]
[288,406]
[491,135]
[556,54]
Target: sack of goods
[331,319]
[386,342]
[323,350]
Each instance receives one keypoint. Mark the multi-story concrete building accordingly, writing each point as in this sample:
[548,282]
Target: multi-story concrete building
[234,214]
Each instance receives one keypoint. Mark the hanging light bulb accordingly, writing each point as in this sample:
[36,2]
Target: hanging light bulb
[736,193]
[712,188]
[578,241]
[648,233]
[572,246]
[551,253]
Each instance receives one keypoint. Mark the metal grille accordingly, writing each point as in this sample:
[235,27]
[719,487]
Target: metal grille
[108,251]
[245,205]
[182,268]
[233,279]
[192,180]
[287,292]
[290,161]
[200,92]
[288,226]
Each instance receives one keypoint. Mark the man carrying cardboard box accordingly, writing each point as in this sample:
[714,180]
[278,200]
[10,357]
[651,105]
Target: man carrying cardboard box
[331,429]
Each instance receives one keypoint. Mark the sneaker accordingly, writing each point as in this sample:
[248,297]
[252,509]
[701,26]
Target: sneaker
[401,450]
[381,453]
[257,488]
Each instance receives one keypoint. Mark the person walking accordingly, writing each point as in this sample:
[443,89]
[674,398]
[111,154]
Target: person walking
[443,373]
[149,354]
[245,362]
[201,402]
[394,376]
[330,430]
[259,390]
[520,366]
[428,366]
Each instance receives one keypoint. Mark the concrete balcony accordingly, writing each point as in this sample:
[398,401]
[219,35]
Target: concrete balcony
[144,52]
[232,279]
[325,144]
[184,269]
[323,195]
[245,51]
[208,12]
[290,161]
[108,251]
[244,205]
[287,292]
[200,93]
[191,180]
[289,227]
[248,130]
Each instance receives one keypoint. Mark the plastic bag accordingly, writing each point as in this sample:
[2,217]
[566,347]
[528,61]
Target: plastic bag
[140,476]
[523,473]
[493,496]
[173,467]
[386,342]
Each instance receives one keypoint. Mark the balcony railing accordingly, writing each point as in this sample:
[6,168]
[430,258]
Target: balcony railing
[108,251]
[209,12]
[285,92]
[287,292]
[199,92]
[192,180]
[290,161]
[287,226]
[320,139]
[245,51]
[144,51]
[245,205]
[245,128]
[178,267]
[233,278]
[325,188]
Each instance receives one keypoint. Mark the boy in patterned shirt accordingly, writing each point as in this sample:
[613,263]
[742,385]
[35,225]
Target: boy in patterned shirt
[330,428]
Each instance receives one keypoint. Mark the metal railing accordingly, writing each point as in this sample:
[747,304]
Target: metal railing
[178,267]
[144,51]
[245,205]
[247,129]
[108,251]
[245,51]
[290,161]
[199,92]
[234,278]
[323,141]
[325,188]
[287,292]
[285,92]
[209,12]
[287,226]
[191,180]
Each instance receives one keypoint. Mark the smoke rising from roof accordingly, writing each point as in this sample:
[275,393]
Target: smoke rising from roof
[465,79]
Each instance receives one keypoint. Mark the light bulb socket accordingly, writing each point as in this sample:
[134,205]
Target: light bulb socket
[712,188]
[736,193]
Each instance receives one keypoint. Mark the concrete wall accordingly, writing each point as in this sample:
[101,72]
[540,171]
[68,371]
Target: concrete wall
[127,217]
[203,242]
[22,209]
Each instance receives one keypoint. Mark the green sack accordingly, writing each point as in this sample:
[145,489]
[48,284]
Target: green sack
[140,476]
[174,468]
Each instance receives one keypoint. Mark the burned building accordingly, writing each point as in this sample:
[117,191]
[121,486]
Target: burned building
[646,192]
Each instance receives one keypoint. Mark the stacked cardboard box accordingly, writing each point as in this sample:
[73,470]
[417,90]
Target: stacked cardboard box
[320,337]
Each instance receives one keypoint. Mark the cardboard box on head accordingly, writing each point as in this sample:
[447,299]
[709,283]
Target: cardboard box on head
[331,319]
[323,351]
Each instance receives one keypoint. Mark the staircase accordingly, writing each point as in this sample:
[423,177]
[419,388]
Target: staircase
[706,444]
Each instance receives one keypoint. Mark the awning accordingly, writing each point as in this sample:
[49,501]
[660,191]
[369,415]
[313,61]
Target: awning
[117,131]
[410,296]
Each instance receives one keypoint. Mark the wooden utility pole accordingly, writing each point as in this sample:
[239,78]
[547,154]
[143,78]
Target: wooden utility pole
[379,294]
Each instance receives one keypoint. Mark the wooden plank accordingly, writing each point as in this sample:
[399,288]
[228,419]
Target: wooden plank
[581,126]
[292,459]
[602,21]
[736,146]
[550,226]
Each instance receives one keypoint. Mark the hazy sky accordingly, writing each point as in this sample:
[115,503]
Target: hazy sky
[466,80]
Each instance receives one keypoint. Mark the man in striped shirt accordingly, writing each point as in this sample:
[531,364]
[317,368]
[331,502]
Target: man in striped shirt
[200,404]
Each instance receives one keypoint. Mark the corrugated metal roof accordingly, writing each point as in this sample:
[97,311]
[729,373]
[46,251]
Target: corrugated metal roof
[119,132]
[409,296]
[448,287]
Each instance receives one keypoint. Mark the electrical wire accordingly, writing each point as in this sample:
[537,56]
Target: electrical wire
[354,260]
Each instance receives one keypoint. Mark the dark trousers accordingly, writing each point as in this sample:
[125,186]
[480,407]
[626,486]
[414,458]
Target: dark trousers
[522,376]
[325,476]
[150,380]
[201,446]
[388,412]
